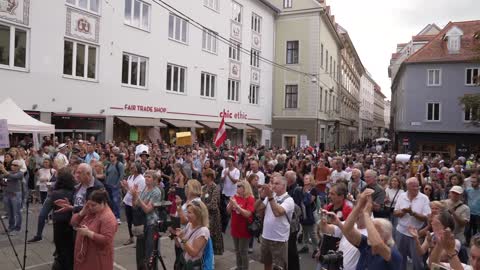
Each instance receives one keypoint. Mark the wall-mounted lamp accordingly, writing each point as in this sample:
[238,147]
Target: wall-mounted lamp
[34,106]
[102,111]
[69,109]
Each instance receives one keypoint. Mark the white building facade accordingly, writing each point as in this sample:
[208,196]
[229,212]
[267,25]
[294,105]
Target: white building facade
[367,99]
[131,69]
[387,114]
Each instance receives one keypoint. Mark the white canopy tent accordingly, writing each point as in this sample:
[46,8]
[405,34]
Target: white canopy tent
[20,122]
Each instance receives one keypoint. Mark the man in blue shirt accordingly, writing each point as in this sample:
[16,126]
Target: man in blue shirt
[378,251]
[91,154]
[473,197]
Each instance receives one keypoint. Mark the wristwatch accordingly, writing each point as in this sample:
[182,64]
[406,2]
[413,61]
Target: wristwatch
[183,241]
[450,256]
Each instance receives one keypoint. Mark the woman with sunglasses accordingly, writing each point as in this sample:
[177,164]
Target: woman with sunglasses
[211,198]
[193,238]
[241,206]
[96,227]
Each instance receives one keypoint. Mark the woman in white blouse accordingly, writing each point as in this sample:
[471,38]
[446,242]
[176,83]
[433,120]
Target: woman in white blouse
[44,175]
[393,192]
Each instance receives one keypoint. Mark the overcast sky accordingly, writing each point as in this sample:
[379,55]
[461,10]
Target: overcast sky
[376,26]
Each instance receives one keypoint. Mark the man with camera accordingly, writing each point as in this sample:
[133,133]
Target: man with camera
[279,208]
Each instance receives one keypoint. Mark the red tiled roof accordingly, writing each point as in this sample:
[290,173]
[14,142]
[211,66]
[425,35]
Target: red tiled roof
[436,50]
[423,38]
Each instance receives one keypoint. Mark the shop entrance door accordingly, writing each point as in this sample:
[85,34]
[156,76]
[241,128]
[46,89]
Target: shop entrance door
[289,141]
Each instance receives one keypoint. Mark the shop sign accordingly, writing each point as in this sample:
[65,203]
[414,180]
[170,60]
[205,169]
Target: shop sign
[233,115]
[4,141]
[15,10]
[144,108]
[405,142]
[133,134]
[82,25]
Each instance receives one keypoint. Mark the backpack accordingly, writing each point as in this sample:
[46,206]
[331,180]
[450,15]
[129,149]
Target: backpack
[208,258]
[296,216]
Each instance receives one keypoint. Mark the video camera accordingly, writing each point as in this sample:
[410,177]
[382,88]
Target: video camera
[332,260]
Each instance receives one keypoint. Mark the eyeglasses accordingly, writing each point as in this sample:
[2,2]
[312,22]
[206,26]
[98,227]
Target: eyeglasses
[240,185]
[195,203]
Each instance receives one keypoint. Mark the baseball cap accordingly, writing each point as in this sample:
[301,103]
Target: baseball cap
[61,146]
[457,189]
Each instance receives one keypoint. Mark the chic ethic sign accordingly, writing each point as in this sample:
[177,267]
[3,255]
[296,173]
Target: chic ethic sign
[236,31]
[4,141]
[82,25]
[15,10]
[234,70]
[234,115]
[256,41]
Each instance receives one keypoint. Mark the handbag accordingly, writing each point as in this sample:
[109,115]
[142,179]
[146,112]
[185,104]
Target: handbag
[139,219]
[255,227]
[391,204]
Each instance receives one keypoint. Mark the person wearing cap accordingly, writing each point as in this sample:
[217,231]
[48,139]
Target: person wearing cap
[459,211]
[12,198]
[61,159]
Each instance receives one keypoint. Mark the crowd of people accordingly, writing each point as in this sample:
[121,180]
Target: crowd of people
[365,209]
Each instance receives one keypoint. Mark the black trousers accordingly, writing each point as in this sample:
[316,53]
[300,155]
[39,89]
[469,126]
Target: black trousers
[293,259]
[64,239]
[129,214]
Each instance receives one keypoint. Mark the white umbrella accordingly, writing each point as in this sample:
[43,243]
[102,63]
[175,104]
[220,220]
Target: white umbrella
[382,140]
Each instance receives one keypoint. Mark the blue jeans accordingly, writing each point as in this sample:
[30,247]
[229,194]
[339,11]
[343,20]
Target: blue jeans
[13,205]
[46,208]
[406,247]
[114,193]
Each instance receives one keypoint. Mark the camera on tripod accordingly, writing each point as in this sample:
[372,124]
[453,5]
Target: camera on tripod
[332,260]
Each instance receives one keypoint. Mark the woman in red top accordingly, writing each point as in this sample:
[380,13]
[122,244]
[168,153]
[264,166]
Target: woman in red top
[241,207]
[96,227]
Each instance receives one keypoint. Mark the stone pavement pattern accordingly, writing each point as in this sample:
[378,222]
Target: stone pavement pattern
[39,255]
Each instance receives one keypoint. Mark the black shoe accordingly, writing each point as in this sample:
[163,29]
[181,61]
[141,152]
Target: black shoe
[303,250]
[35,239]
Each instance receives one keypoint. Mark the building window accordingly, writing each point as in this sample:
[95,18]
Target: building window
[208,83]
[256,23]
[134,70]
[433,77]
[176,78]
[234,51]
[321,56]
[237,12]
[253,96]
[291,96]
[334,69]
[79,60]
[326,62]
[177,28]
[454,44]
[287,3]
[91,5]
[470,113]
[233,90]
[255,58]
[137,14]
[473,76]
[321,97]
[292,52]
[433,111]
[13,47]
[331,63]
[213,4]
[209,41]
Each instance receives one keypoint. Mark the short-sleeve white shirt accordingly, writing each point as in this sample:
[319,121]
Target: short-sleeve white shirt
[278,228]
[229,188]
[132,181]
[420,204]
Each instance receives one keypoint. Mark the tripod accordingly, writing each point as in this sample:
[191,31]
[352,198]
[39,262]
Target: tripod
[152,262]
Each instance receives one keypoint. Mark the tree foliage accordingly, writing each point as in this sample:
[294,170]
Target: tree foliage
[471,102]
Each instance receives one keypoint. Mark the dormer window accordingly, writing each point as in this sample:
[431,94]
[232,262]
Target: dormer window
[454,38]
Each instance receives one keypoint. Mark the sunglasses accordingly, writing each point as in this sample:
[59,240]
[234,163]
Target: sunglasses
[195,203]
[239,185]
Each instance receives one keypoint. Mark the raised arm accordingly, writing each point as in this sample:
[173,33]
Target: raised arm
[374,238]
[354,236]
